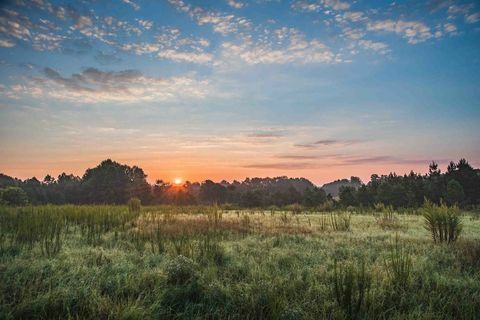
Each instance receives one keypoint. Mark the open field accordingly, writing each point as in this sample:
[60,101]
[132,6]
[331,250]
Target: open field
[100,262]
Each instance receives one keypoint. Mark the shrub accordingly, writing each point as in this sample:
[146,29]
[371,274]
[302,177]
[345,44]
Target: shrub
[442,222]
[134,205]
[351,286]
[295,208]
[398,265]
[327,206]
[387,218]
[180,271]
[13,196]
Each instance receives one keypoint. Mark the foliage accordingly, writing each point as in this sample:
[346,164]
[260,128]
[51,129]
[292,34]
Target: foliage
[455,194]
[442,222]
[13,196]
[398,265]
[114,183]
[180,271]
[351,286]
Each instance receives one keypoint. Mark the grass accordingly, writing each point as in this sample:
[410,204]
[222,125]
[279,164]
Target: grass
[168,262]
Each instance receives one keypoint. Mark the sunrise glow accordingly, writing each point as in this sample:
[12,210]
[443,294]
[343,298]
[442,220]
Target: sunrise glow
[232,89]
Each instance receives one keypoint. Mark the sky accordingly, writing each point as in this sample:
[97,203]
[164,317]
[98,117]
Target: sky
[228,89]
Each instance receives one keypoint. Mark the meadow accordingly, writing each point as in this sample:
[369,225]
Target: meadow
[207,262]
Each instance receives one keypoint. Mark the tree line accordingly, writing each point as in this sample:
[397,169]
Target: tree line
[114,183]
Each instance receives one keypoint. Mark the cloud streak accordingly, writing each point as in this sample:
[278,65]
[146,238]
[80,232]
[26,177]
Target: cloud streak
[129,86]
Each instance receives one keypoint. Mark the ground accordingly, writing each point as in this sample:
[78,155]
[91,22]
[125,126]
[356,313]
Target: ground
[203,262]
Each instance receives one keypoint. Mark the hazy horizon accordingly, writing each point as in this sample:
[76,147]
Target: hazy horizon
[230,89]
[365,178]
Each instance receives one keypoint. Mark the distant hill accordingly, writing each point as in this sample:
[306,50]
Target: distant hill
[333,188]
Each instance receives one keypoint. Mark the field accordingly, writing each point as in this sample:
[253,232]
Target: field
[119,262]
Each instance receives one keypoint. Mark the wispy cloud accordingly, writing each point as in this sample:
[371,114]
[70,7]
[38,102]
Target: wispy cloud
[327,142]
[314,6]
[413,31]
[286,45]
[235,4]
[128,86]
[170,44]
[282,165]
[132,4]
[221,22]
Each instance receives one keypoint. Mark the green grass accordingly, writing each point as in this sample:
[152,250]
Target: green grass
[113,263]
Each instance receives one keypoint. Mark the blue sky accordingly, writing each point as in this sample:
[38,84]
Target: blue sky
[323,89]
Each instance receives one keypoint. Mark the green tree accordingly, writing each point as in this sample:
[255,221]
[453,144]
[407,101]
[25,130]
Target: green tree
[348,196]
[455,194]
[13,196]
[314,197]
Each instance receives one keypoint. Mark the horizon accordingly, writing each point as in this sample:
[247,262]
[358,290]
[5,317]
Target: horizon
[198,90]
[179,180]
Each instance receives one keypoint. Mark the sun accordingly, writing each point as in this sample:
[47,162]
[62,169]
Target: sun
[177,181]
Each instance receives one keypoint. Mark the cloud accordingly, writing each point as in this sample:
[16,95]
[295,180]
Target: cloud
[287,45]
[473,18]
[192,57]
[7,43]
[314,6]
[327,142]
[297,157]
[171,45]
[82,22]
[221,23]
[382,159]
[413,31]
[354,16]
[450,28]
[375,46]
[93,85]
[132,4]
[282,165]
[13,24]
[235,4]
[146,24]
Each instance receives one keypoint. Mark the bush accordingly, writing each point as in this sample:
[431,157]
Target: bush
[387,218]
[180,271]
[134,205]
[13,196]
[442,222]
[295,208]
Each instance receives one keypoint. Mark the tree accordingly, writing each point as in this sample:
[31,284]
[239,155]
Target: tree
[348,196]
[211,192]
[455,194]
[314,197]
[13,196]
[111,182]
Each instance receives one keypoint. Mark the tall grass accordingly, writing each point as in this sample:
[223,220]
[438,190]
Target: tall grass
[351,286]
[398,265]
[109,262]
